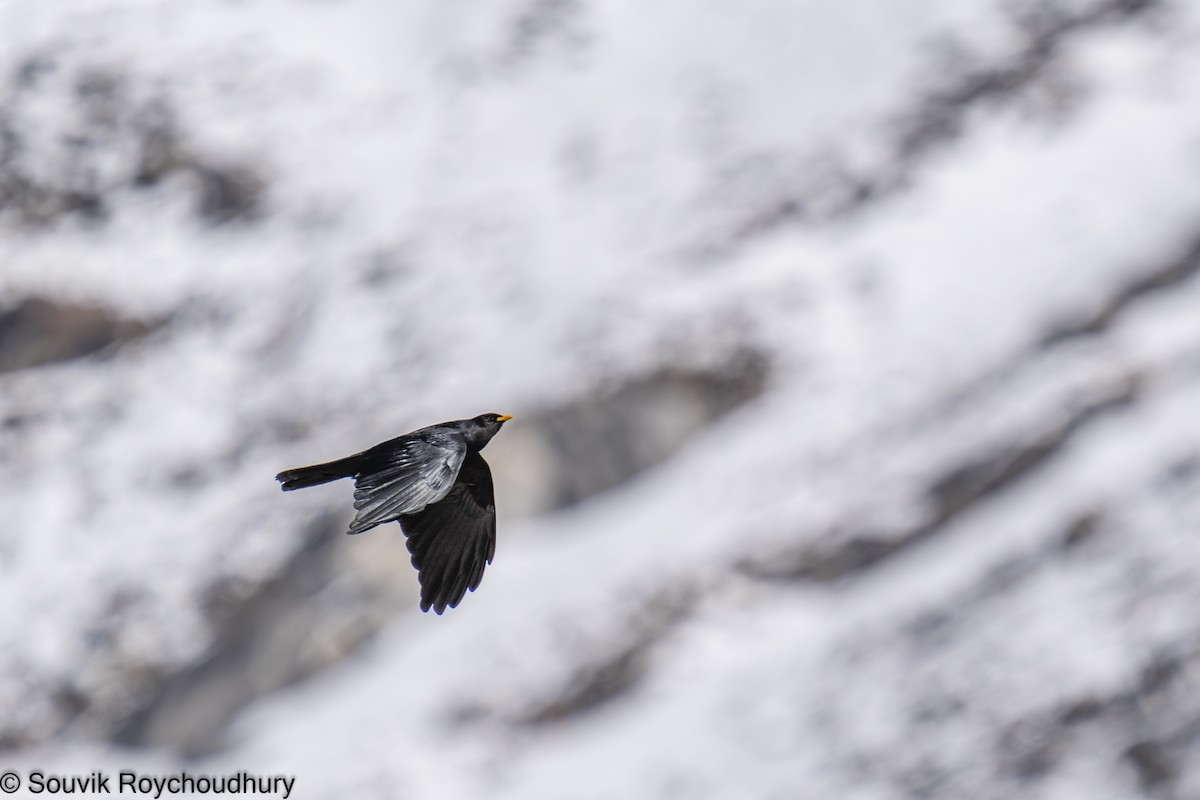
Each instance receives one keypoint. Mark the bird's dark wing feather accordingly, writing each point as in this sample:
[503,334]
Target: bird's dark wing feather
[405,475]
[451,541]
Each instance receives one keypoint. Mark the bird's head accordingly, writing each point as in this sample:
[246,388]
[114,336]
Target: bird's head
[484,427]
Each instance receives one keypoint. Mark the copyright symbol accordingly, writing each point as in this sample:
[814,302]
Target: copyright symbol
[10,782]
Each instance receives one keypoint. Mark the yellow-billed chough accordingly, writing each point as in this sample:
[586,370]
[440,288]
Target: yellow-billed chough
[437,485]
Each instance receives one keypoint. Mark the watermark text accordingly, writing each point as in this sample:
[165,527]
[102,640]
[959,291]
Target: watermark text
[132,784]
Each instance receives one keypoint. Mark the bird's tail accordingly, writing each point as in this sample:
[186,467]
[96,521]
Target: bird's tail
[303,477]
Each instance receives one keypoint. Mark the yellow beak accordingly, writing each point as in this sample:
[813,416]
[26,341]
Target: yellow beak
[504,418]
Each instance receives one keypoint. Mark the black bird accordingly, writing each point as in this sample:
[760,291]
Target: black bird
[436,484]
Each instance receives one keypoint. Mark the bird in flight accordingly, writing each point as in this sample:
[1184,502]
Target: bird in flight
[437,485]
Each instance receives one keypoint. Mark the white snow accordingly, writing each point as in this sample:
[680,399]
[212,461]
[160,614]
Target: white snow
[468,213]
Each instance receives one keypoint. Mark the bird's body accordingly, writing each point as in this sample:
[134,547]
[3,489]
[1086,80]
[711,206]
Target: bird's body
[435,483]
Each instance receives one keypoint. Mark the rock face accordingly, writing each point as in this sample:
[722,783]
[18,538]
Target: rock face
[853,350]
[37,331]
[78,138]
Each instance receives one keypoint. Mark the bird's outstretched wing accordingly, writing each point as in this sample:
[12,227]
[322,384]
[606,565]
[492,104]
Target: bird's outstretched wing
[404,476]
[451,541]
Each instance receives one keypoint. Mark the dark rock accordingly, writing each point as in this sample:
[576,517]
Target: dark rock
[619,669]
[259,648]
[108,139]
[957,491]
[1153,763]
[37,331]
[583,448]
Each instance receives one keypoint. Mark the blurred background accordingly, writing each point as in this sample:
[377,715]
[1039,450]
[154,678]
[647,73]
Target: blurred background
[854,350]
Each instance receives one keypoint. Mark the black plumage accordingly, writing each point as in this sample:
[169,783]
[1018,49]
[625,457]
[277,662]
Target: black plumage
[435,483]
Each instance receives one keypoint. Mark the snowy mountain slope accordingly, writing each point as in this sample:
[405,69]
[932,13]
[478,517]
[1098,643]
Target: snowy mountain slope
[940,543]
